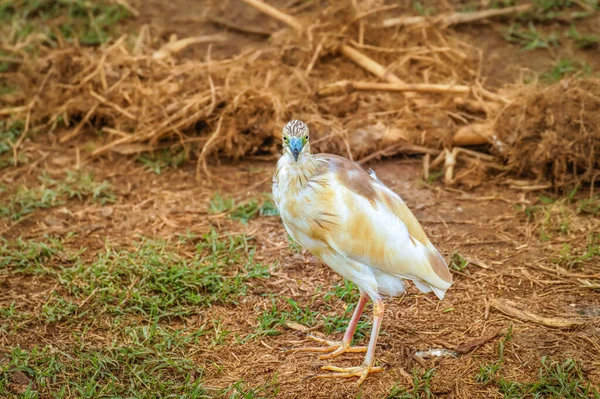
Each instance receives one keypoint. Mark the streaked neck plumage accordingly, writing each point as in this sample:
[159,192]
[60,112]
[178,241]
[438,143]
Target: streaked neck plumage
[295,174]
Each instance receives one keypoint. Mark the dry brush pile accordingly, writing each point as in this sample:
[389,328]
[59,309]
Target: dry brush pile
[368,83]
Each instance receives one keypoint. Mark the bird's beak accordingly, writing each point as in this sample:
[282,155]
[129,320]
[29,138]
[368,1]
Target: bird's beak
[295,146]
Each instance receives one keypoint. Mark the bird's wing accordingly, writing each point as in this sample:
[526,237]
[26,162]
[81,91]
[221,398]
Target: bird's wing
[375,227]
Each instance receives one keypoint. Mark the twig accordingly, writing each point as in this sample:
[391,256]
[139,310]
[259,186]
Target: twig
[315,57]
[205,148]
[455,18]
[449,163]
[276,14]
[29,108]
[438,160]
[179,45]
[88,298]
[13,110]
[399,147]
[112,105]
[369,64]
[466,347]
[476,154]
[75,131]
[365,14]
[509,308]
[338,87]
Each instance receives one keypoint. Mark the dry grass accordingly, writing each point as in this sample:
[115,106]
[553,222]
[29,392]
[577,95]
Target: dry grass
[552,133]
[139,91]
[144,94]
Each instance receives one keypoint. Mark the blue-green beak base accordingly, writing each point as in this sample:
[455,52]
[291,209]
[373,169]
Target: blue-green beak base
[295,145]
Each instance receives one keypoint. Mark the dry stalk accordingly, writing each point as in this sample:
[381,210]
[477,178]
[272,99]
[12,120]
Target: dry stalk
[509,308]
[369,64]
[455,18]
[474,134]
[395,148]
[77,129]
[276,14]
[344,86]
[449,163]
[29,109]
[179,45]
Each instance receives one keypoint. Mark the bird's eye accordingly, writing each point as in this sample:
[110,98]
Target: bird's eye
[285,139]
[306,137]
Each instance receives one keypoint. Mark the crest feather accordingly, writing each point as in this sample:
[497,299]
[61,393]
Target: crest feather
[295,128]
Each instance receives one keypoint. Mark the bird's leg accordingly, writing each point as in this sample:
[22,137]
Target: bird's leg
[338,347]
[344,345]
[366,368]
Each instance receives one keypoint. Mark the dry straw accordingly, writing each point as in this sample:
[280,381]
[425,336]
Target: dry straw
[365,90]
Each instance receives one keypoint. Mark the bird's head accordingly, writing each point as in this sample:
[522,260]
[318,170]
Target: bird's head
[295,139]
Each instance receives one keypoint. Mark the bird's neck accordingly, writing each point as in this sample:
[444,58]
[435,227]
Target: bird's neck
[295,174]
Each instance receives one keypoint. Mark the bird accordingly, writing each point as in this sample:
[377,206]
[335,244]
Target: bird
[360,228]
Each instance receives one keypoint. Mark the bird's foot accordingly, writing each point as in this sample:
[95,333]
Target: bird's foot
[346,372]
[333,348]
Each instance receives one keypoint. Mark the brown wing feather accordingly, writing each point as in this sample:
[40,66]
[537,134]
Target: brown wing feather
[355,178]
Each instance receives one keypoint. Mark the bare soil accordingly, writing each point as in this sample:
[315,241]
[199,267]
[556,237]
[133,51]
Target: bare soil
[508,261]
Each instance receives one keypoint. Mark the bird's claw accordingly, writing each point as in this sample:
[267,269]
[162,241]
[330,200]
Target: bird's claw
[333,348]
[346,372]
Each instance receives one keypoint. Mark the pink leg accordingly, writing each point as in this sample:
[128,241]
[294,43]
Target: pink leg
[366,368]
[355,317]
[378,309]
[350,330]
[336,348]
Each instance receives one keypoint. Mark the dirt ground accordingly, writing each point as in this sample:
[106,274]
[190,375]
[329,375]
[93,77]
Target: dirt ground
[526,265]
[485,225]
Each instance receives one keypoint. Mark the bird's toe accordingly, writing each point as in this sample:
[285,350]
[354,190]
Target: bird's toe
[343,348]
[362,372]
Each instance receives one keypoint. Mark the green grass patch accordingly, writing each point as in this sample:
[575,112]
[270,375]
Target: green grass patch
[564,68]
[458,262]
[286,309]
[550,10]
[421,387]
[568,258]
[555,216]
[148,280]
[556,379]
[150,364]
[423,9]
[345,291]
[9,135]
[278,314]
[146,362]
[530,38]
[488,371]
[583,41]
[115,308]
[88,22]
[159,161]
[589,206]
[53,192]
[563,217]
[243,212]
